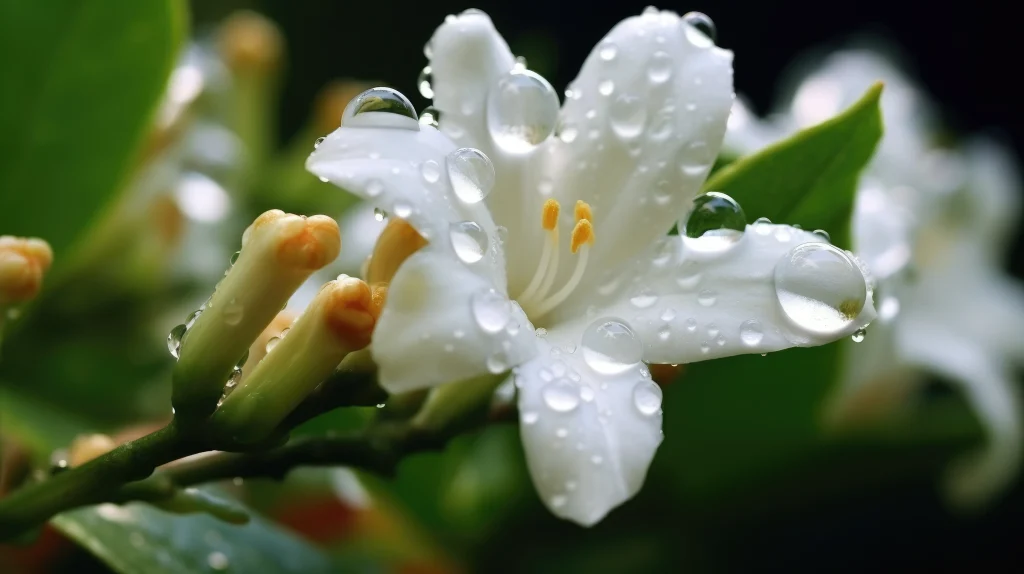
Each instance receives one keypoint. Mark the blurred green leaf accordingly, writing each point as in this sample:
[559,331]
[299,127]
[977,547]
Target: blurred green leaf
[139,539]
[37,426]
[81,80]
[810,178]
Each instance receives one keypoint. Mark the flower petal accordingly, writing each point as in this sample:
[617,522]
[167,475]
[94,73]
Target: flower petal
[442,322]
[691,305]
[883,229]
[644,124]
[588,444]
[404,172]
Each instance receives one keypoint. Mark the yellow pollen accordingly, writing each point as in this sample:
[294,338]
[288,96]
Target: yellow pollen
[549,214]
[582,233]
[583,211]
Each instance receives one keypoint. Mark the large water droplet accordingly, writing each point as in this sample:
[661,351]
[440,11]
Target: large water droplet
[471,174]
[858,335]
[751,333]
[423,83]
[174,340]
[701,30]
[522,110]
[610,346]
[491,310]
[469,241]
[659,69]
[714,223]
[380,108]
[647,397]
[561,396]
[191,319]
[820,288]
[627,116]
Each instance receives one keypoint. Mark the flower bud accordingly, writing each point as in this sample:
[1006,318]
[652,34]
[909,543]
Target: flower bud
[279,252]
[86,447]
[250,43]
[23,262]
[338,321]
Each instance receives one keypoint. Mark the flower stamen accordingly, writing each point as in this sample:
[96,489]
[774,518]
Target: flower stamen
[582,236]
[549,221]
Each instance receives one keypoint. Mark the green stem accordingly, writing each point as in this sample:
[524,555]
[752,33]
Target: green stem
[93,482]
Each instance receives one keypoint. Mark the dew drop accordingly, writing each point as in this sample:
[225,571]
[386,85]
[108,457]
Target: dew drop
[430,171]
[174,340]
[380,108]
[567,132]
[529,417]
[587,393]
[701,30]
[644,299]
[823,234]
[610,346]
[820,288]
[191,319]
[379,214]
[218,561]
[271,343]
[751,333]
[423,83]
[707,297]
[715,223]
[491,310]
[469,241]
[402,209]
[497,363]
[430,117]
[522,110]
[782,234]
[888,309]
[627,116]
[233,312]
[858,335]
[647,397]
[606,88]
[607,51]
[234,258]
[691,325]
[471,173]
[668,314]
[561,396]
[659,69]
[762,225]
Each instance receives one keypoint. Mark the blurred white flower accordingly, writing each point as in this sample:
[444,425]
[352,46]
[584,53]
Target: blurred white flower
[931,225]
[498,287]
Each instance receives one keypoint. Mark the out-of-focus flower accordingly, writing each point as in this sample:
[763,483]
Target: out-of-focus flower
[931,224]
[497,287]
[23,263]
[87,447]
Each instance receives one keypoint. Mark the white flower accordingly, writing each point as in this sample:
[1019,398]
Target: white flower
[499,285]
[931,225]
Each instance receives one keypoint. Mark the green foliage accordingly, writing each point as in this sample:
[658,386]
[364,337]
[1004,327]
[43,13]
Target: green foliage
[81,80]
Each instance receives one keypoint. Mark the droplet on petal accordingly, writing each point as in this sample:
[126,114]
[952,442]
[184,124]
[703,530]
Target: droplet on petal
[561,396]
[607,51]
[469,241]
[610,346]
[820,288]
[522,110]
[627,116]
[491,310]
[471,173]
[424,83]
[380,108]
[659,69]
[762,225]
[430,117]
[751,333]
[701,30]
[647,397]
[858,335]
[714,223]
[174,340]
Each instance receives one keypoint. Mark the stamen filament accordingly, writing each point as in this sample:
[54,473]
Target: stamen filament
[553,301]
[550,244]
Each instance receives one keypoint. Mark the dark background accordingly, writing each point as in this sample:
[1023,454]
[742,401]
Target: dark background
[965,55]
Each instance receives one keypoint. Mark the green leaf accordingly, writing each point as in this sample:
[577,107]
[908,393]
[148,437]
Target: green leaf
[810,178]
[81,80]
[139,539]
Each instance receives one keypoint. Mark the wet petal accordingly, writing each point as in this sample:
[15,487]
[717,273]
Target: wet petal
[588,443]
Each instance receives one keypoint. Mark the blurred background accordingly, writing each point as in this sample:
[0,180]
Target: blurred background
[746,480]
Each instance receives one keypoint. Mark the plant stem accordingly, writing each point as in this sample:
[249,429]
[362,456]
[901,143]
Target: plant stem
[93,482]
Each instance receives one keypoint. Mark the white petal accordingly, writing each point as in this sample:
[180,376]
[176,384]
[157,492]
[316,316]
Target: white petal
[404,173]
[882,229]
[978,476]
[641,152]
[691,306]
[359,232]
[994,191]
[436,327]
[587,443]
[746,133]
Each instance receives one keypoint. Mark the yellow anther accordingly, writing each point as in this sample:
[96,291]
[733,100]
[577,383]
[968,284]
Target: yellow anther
[396,243]
[583,211]
[582,233]
[549,214]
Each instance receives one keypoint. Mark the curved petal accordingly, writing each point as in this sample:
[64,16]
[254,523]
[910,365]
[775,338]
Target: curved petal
[587,443]
[646,118]
[883,230]
[444,323]
[403,172]
[689,305]
[977,477]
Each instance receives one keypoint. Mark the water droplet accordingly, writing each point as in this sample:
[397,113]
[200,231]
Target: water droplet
[402,209]
[558,500]
[471,173]
[712,330]
[644,299]
[586,393]
[497,363]
[714,223]
[610,346]
[704,347]
[218,561]
[529,417]
[233,312]
[491,310]
[647,397]
[627,116]
[317,143]
[820,288]
[469,241]
[720,341]
[762,225]
[174,340]
[782,234]
[423,83]
[707,297]
[659,69]
[823,234]
[430,171]
[191,319]
[561,396]
[701,30]
[380,108]
[379,214]
[541,332]
[751,333]
[691,325]
[607,51]
[606,88]
[271,343]
[430,117]
[668,314]
[242,360]
[522,110]
[859,335]
[664,332]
